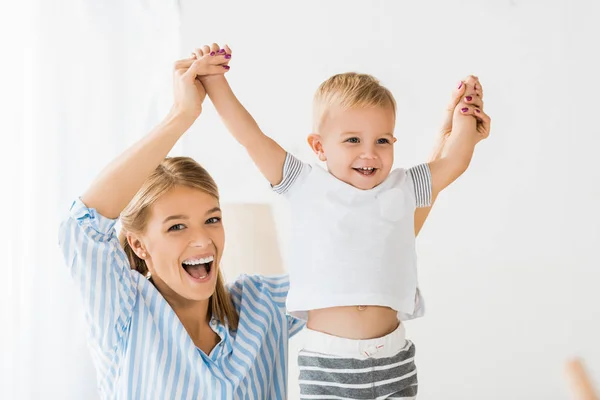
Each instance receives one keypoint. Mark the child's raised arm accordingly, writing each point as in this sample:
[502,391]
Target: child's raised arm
[264,151]
[422,213]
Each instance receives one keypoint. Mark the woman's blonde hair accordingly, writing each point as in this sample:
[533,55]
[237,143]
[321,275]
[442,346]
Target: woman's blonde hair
[174,171]
[350,90]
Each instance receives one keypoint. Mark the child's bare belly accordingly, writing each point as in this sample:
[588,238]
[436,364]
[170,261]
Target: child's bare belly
[353,323]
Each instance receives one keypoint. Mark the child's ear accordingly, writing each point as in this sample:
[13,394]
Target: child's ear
[316,144]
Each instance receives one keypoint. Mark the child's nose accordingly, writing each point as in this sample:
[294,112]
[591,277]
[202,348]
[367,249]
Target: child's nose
[369,152]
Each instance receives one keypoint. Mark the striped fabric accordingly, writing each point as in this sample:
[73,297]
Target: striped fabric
[140,348]
[419,174]
[292,169]
[421,177]
[330,377]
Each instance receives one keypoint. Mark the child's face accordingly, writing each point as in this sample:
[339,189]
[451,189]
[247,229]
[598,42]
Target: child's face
[357,144]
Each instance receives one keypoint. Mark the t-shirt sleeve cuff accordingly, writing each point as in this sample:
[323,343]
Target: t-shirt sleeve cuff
[421,177]
[292,169]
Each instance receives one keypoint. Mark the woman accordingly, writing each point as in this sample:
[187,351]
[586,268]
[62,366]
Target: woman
[162,323]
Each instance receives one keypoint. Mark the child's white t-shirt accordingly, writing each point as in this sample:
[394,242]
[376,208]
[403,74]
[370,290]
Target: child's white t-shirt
[350,246]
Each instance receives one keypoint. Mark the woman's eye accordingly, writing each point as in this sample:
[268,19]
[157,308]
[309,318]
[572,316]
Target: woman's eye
[352,140]
[177,227]
[213,220]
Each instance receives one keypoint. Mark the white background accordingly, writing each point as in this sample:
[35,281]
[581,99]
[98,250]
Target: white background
[508,259]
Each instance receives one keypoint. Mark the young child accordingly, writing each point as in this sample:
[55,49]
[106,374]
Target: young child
[352,260]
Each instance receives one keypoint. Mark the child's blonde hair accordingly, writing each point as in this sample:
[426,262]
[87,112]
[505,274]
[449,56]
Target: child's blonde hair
[350,90]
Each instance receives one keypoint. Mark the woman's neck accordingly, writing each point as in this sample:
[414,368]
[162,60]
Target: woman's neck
[195,318]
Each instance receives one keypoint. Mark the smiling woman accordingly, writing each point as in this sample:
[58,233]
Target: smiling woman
[162,323]
[173,235]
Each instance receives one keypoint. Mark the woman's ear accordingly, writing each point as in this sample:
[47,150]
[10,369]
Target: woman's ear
[136,245]
[316,144]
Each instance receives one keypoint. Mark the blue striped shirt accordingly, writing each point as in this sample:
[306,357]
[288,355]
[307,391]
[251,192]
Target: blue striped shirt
[140,348]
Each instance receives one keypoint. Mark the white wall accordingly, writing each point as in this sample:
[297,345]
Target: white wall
[508,259]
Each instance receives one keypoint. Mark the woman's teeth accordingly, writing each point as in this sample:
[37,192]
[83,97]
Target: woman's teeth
[197,261]
[198,268]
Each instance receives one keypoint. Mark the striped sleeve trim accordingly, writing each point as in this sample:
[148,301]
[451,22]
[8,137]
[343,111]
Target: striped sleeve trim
[421,177]
[292,168]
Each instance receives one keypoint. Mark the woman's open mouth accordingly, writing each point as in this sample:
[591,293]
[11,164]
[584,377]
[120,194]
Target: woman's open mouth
[199,268]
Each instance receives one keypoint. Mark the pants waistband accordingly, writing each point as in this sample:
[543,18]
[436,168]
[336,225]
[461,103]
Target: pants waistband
[385,346]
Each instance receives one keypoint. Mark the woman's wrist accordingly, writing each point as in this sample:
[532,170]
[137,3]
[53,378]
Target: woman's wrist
[181,117]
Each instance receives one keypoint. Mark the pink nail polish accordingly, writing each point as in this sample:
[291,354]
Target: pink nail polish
[228,56]
[469,98]
[460,84]
[477,111]
[226,66]
[465,109]
[212,53]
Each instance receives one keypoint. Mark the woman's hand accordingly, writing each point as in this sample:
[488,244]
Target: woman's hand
[188,92]
[470,105]
[470,83]
[214,50]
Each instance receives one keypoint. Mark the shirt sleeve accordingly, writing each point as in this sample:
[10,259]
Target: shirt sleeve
[273,287]
[421,178]
[279,287]
[293,169]
[295,325]
[101,272]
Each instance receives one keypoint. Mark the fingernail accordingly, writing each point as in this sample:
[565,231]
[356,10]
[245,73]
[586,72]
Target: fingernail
[226,66]
[477,111]
[228,56]
[221,51]
[460,84]
[212,53]
[469,98]
[465,109]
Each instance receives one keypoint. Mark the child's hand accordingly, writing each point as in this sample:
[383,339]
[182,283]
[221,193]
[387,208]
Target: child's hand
[457,95]
[188,91]
[222,55]
[468,112]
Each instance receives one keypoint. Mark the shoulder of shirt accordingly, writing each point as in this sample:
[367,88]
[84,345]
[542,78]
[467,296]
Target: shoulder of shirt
[259,281]
[275,287]
[397,177]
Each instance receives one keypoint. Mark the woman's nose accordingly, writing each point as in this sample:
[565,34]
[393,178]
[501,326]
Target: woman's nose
[200,239]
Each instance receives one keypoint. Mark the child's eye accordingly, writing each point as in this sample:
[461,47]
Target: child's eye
[177,227]
[352,140]
[382,141]
[213,220]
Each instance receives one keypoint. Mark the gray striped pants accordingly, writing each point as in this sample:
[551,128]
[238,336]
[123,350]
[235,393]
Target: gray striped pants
[325,376]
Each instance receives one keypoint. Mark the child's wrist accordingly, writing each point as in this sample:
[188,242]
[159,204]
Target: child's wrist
[212,79]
